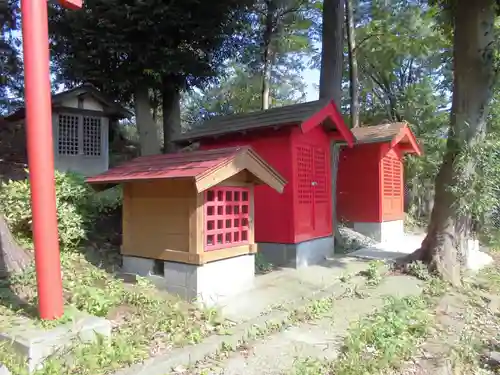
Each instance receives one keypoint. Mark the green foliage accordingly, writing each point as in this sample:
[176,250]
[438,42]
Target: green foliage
[117,46]
[77,206]
[11,68]
[238,92]
[145,321]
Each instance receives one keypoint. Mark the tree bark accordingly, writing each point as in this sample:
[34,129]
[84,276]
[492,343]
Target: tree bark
[171,108]
[147,128]
[267,54]
[330,80]
[474,78]
[353,64]
[13,258]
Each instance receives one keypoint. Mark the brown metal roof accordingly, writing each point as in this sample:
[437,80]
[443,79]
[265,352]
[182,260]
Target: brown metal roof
[378,133]
[397,132]
[282,116]
[196,165]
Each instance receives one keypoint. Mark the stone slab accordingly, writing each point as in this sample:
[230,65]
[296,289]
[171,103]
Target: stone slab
[209,284]
[385,231]
[36,344]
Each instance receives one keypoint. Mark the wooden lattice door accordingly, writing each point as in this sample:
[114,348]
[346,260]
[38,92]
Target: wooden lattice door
[313,193]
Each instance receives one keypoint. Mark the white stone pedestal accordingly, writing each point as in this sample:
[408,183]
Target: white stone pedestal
[386,231]
[209,284]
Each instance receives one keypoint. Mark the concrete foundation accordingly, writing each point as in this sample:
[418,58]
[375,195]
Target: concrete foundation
[298,255]
[36,344]
[382,232]
[209,284]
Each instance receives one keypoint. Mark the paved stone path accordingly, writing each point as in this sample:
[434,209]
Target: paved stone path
[276,354]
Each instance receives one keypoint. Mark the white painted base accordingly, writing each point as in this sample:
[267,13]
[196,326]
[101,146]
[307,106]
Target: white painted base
[209,284]
[386,231]
[474,258]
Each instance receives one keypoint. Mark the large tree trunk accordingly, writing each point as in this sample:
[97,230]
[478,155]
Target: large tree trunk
[13,258]
[330,80]
[147,128]
[474,77]
[171,108]
[353,64]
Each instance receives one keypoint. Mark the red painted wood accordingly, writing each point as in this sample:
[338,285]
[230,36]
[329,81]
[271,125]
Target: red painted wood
[392,198]
[71,4]
[41,158]
[312,184]
[376,194]
[273,211]
[226,218]
[358,184]
[186,164]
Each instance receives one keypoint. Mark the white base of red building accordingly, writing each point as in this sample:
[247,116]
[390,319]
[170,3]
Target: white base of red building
[386,231]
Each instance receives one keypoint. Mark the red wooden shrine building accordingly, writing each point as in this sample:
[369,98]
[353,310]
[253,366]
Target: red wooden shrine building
[372,202]
[296,227]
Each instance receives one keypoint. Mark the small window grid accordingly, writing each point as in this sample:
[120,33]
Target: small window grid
[227,215]
[68,139]
[92,136]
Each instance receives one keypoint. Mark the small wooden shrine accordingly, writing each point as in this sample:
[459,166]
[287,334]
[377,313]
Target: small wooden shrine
[293,228]
[184,212]
[370,181]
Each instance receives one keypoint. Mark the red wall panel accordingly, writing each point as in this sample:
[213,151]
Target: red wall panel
[273,211]
[312,187]
[358,184]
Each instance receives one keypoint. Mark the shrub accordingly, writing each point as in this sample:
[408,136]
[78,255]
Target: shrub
[77,207]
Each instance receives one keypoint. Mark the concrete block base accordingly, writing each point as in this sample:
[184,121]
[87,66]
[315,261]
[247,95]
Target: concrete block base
[36,344]
[298,255]
[209,284]
[385,231]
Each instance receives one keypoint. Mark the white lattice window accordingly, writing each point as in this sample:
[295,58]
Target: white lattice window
[92,136]
[68,135]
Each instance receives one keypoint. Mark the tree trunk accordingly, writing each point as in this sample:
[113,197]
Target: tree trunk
[147,128]
[13,258]
[353,64]
[474,78]
[171,108]
[267,54]
[330,80]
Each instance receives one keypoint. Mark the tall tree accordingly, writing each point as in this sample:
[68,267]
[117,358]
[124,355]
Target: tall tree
[353,63]
[474,75]
[279,37]
[11,77]
[129,50]
[239,91]
[330,81]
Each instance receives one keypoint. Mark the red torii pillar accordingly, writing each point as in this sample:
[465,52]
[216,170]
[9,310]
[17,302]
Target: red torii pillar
[41,154]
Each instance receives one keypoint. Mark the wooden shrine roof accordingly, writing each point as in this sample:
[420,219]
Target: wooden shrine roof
[306,115]
[397,132]
[200,166]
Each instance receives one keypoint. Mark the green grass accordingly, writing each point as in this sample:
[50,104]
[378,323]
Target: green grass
[379,341]
[146,322]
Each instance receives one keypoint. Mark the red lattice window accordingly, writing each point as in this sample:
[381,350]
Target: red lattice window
[227,212]
[320,176]
[392,177]
[305,174]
